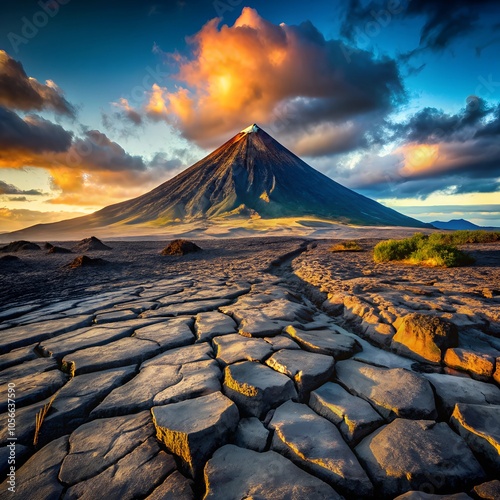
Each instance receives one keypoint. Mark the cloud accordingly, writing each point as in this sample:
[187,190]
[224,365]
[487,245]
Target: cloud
[30,134]
[444,22]
[431,125]
[286,78]
[419,170]
[14,219]
[90,170]
[432,152]
[6,188]
[18,91]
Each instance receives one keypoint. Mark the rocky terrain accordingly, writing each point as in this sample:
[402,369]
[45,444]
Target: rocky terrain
[258,368]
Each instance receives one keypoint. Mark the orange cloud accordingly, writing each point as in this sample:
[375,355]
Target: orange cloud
[93,171]
[255,71]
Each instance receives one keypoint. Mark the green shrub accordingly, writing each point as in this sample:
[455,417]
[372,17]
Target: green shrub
[421,249]
[465,236]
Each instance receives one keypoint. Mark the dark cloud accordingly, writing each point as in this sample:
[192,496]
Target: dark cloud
[18,91]
[6,188]
[162,162]
[96,151]
[431,125]
[444,22]
[32,133]
[18,198]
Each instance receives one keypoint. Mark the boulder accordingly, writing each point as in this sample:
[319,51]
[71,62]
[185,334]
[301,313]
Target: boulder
[114,316]
[91,244]
[489,490]
[237,473]
[192,430]
[180,247]
[20,336]
[479,365]
[175,487]
[251,434]
[168,334]
[308,370]
[425,337]
[182,355]
[451,389]
[69,409]
[232,348]
[196,379]
[37,478]
[480,427]
[32,388]
[418,455]
[99,444]
[325,342]
[133,476]
[420,495]
[355,417]
[139,393]
[395,392]
[316,445]
[212,324]
[256,388]
[18,356]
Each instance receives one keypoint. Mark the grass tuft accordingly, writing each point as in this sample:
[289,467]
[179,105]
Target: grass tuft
[347,246]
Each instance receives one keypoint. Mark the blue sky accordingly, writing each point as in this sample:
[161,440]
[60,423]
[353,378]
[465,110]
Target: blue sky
[397,100]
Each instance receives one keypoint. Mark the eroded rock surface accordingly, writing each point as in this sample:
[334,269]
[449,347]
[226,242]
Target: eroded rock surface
[193,429]
[232,354]
[412,454]
[394,392]
[235,472]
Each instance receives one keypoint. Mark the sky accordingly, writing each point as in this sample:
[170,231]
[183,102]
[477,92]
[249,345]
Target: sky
[103,101]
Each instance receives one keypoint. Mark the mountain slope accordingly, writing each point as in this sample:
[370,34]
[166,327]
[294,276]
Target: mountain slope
[250,173]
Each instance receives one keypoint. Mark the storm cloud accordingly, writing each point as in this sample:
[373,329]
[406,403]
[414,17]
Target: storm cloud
[18,91]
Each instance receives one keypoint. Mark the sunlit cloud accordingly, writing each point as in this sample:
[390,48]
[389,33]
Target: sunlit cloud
[287,78]
[18,91]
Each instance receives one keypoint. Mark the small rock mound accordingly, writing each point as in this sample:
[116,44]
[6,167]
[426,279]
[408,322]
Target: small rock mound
[56,249]
[48,246]
[9,262]
[18,246]
[91,244]
[180,247]
[84,261]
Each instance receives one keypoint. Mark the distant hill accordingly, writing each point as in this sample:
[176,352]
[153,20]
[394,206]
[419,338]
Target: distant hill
[251,175]
[457,224]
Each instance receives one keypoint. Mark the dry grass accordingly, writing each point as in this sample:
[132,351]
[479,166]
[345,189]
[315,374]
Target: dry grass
[347,246]
[40,417]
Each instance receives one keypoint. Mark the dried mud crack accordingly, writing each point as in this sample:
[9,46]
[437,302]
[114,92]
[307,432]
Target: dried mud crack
[264,368]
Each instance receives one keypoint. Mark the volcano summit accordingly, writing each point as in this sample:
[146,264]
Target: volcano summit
[251,175]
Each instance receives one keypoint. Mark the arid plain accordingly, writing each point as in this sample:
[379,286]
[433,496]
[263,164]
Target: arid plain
[256,367]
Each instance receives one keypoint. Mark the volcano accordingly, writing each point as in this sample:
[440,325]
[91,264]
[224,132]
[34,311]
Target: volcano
[251,175]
